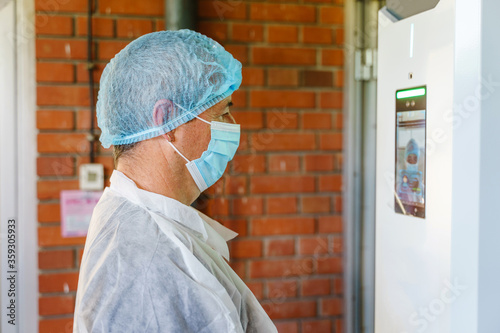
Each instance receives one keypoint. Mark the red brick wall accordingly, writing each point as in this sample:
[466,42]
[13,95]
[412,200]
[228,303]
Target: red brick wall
[282,193]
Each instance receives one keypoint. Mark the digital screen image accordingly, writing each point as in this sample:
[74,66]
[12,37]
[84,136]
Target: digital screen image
[410,152]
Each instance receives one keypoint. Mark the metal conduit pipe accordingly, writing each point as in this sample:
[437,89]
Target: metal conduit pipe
[180,14]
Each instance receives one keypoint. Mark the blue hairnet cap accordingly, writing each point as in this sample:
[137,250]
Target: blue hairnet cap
[187,68]
[412,148]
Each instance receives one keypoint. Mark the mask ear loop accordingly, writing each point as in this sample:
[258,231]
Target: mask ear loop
[204,120]
[180,107]
[178,152]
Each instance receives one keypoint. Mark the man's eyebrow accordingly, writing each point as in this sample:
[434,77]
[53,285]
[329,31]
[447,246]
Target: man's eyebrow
[217,113]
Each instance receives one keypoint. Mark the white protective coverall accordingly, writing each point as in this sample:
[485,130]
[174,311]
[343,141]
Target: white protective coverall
[153,264]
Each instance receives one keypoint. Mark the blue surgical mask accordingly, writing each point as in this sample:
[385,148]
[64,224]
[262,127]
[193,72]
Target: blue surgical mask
[209,168]
[412,167]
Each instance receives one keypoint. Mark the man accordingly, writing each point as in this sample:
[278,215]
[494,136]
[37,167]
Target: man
[410,187]
[151,262]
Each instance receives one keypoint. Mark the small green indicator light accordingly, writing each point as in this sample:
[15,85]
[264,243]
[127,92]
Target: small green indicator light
[410,93]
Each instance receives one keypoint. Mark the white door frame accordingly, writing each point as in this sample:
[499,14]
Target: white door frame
[18,151]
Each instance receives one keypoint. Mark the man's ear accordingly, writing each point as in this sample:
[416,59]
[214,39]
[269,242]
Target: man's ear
[162,108]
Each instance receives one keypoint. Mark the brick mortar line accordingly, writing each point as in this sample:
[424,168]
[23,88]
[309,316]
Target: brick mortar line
[60,316]
[58,271]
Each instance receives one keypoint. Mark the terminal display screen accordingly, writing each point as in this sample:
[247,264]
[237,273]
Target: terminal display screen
[410,151]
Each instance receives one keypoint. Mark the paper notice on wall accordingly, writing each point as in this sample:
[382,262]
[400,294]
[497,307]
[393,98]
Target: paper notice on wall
[76,211]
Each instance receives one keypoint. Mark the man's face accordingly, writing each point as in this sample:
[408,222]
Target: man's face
[220,112]
[412,159]
[193,137]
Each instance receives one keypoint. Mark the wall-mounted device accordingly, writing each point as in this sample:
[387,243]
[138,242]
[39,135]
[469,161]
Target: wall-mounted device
[91,177]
